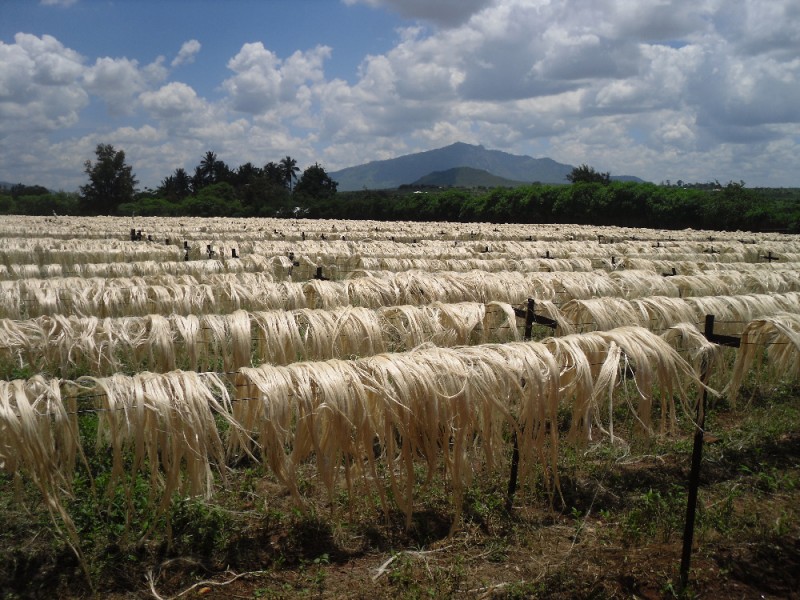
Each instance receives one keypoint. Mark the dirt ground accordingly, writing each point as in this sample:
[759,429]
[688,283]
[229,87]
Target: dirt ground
[614,531]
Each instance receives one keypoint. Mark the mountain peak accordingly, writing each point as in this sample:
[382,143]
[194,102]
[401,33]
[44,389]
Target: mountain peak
[385,174]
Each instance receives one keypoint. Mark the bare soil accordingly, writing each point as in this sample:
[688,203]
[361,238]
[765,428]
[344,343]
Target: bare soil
[615,531]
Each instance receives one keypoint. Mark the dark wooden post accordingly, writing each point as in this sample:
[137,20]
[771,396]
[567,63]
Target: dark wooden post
[529,317]
[512,479]
[697,451]
[769,257]
[694,473]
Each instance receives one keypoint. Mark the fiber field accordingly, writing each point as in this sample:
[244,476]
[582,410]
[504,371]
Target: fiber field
[293,408]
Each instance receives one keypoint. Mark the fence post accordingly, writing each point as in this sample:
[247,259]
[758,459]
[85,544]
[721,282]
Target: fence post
[529,320]
[512,480]
[769,257]
[694,473]
[513,476]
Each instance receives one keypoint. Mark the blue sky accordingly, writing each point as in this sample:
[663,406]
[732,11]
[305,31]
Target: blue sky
[694,90]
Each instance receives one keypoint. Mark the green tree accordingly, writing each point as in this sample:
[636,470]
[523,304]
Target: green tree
[587,174]
[315,192]
[290,170]
[176,187]
[204,172]
[274,173]
[217,200]
[19,190]
[246,174]
[315,183]
[211,170]
[111,181]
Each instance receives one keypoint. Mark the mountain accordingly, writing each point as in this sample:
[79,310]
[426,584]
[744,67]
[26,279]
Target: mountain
[466,177]
[384,174]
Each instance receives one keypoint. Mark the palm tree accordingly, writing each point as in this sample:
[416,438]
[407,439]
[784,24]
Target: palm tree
[290,171]
[182,183]
[207,167]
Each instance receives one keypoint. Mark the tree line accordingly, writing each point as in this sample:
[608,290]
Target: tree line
[628,204]
[278,189]
[213,189]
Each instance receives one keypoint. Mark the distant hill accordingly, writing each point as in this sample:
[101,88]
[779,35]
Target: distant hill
[391,173]
[385,174]
[466,177]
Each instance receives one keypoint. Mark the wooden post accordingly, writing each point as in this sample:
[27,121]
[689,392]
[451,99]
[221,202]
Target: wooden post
[769,257]
[529,320]
[697,451]
[512,480]
[694,473]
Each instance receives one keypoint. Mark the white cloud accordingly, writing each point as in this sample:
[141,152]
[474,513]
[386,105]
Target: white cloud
[262,80]
[679,89]
[115,80]
[187,53]
[173,100]
[620,81]
[58,2]
[40,86]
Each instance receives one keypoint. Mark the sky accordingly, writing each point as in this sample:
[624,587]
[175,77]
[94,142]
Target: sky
[696,90]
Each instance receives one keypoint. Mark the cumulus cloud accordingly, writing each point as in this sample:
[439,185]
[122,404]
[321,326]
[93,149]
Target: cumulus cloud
[670,79]
[172,100]
[115,80]
[187,53]
[40,88]
[689,89]
[262,80]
